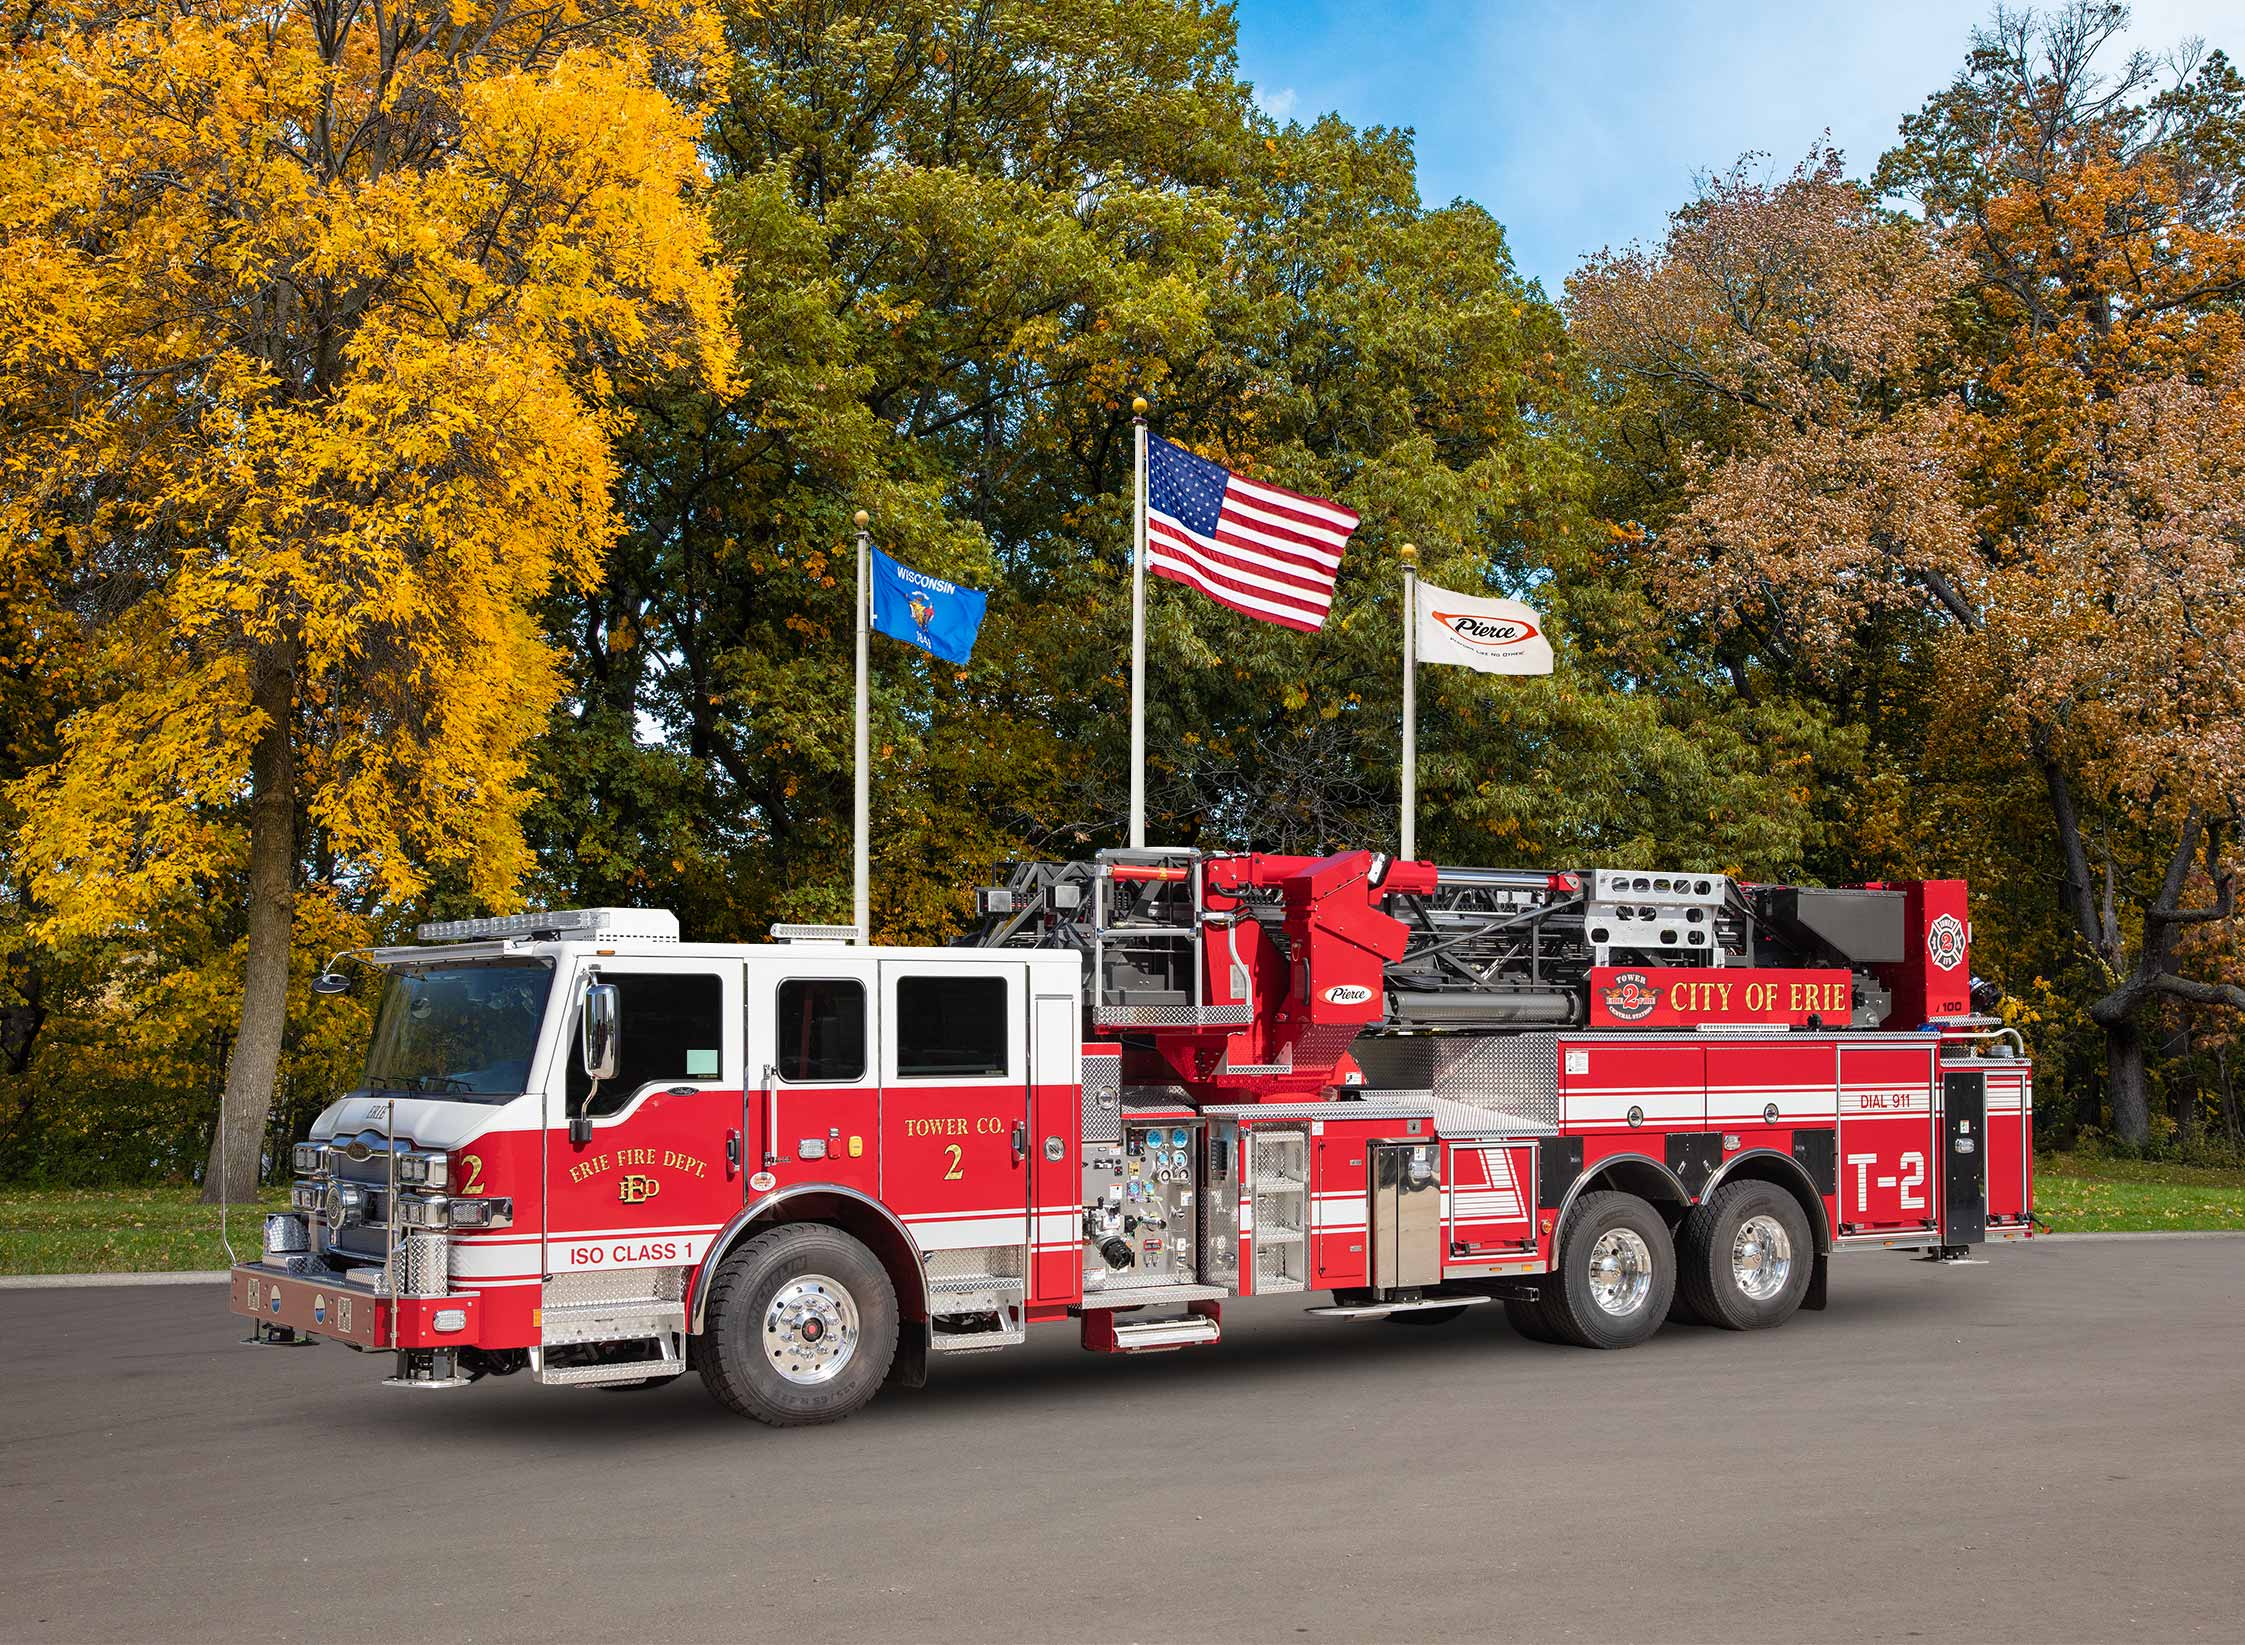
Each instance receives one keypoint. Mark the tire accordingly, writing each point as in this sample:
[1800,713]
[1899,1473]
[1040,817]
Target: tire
[778,1307]
[1427,1316]
[1745,1257]
[1528,1319]
[1616,1273]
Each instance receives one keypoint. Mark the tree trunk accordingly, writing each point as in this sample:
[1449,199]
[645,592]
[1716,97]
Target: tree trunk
[2124,1082]
[237,1147]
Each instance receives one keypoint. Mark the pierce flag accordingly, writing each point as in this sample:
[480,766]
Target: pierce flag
[939,617]
[1494,636]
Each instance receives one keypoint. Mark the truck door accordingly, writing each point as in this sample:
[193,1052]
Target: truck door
[814,1100]
[1964,1152]
[954,1061]
[651,1185]
[1888,1149]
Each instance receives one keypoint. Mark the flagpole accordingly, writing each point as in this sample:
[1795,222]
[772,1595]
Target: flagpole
[861,829]
[1138,629]
[1410,557]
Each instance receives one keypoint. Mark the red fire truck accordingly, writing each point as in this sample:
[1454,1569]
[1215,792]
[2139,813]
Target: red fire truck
[1140,1086]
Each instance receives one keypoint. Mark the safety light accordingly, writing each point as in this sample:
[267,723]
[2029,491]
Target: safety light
[423,1211]
[424,1170]
[497,1212]
[309,1158]
[305,1196]
[449,1319]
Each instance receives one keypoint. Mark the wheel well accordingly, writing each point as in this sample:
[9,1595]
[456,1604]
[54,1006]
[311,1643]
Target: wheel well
[860,1218]
[1633,1174]
[1781,1171]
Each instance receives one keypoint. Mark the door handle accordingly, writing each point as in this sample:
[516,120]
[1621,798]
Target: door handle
[1020,1141]
[732,1155]
[771,1116]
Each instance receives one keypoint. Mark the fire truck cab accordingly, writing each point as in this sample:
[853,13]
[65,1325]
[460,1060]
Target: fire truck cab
[589,1152]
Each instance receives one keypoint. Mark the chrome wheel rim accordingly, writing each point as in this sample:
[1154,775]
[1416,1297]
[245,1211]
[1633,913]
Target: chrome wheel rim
[1761,1257]
[810,1329]
[1621,1271]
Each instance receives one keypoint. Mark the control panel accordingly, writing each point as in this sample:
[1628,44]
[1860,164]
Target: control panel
[1141,1209]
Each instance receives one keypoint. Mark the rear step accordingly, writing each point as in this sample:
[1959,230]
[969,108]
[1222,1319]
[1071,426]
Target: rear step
[1103,1333]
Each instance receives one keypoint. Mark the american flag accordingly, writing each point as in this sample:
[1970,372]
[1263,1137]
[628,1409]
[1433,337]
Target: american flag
[1257,548]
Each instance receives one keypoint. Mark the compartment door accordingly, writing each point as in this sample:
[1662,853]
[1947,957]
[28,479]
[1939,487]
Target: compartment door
[1964,1154]
[955,1144]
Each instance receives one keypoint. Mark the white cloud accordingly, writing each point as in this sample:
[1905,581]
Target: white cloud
[1279,104]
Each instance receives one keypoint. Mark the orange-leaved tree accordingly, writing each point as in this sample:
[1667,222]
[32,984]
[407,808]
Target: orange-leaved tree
[314,322]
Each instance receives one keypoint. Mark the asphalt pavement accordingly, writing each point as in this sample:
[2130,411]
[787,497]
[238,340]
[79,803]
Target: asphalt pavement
[2049,1447]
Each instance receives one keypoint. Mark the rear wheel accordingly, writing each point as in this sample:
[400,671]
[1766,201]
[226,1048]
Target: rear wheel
[802,1326]
[1746,1257]
[1615,1276]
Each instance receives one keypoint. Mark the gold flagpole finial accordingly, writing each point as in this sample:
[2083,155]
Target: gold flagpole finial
[1408,552]
[862,519]
[1138,405]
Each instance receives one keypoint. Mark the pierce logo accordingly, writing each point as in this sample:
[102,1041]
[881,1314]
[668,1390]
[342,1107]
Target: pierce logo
[1632,997]
[1944,942]
[1347,993]
[1487,633]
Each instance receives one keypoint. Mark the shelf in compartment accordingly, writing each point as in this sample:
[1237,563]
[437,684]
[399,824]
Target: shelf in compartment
[1278,1236]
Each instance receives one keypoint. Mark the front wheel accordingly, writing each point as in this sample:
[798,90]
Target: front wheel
[1615,1275]
[802,1326]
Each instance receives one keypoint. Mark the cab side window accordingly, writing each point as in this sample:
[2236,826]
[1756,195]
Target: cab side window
[821,1030]
[949,1026]
[673,1034]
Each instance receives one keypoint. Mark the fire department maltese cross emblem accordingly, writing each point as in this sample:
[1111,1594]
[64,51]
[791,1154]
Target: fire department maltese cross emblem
[1944,942]
[1632,997]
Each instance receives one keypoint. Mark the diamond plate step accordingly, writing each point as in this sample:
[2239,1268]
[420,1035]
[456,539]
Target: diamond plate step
[587,1375]
[1145,1336]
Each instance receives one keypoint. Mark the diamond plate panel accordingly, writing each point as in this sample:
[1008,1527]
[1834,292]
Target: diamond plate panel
[621,1285]
[1514,1074]
[974,1262]
[1102,1099]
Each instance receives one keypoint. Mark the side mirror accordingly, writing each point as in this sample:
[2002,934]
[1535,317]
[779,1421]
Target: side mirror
[601,1050]
[331,982]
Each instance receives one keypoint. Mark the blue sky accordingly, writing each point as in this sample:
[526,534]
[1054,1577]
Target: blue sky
[1581,126]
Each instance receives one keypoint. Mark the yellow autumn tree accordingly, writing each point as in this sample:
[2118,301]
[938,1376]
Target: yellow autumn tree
[314,321]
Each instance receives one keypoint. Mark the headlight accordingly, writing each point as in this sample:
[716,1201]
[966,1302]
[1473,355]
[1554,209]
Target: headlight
[423,1211]
[310,1158]
[424,1170]
[483,1213]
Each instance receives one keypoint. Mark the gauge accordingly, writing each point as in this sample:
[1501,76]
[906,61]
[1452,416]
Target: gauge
[1177,1137]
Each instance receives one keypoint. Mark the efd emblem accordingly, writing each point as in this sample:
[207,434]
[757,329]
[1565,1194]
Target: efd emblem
[1944,942]
[1632,998]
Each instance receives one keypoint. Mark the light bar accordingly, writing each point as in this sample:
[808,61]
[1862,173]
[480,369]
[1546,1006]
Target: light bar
[646,924]
[817,933]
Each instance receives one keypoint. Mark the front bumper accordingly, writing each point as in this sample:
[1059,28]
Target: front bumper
[323,1306]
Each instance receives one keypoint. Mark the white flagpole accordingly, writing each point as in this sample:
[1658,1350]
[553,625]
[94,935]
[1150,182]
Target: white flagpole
[861,832]
[1138,632]
[1410,557]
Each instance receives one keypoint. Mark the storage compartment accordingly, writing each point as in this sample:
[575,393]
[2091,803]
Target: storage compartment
[1406,1215]
[1277,1178]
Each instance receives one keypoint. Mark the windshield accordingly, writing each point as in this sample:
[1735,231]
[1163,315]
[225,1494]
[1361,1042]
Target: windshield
[464,1031]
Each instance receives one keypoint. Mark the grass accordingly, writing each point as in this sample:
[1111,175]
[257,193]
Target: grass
[2077,1193]
[146,1230]
[120,1230]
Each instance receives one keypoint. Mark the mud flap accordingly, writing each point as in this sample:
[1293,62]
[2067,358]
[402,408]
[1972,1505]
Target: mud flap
[910,1367]
[1819,1272]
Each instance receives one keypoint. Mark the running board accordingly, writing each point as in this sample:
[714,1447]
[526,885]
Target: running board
[1381,1310]
[586,1376]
